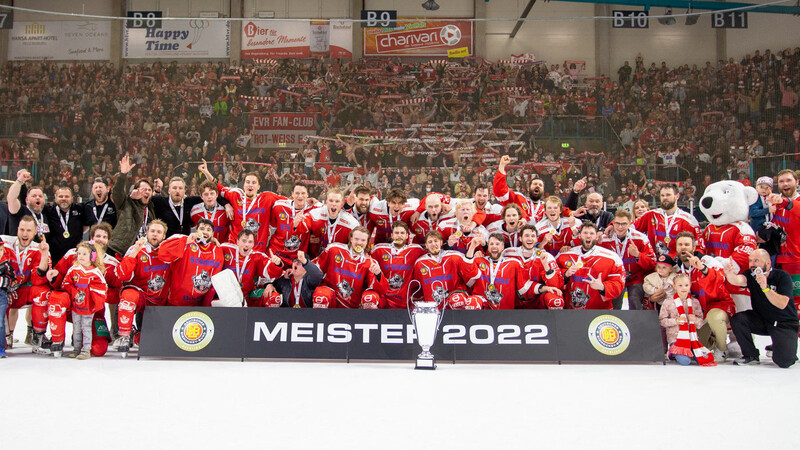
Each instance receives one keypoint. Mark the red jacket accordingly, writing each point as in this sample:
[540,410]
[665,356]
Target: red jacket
[733,241]
[87,288]
[217,216]
[441,275]
[251,213]
[348,275]
[636,268]
[653,223]
[287,240]
[500,282]
[563,234]
[146,272]
[710,288]
[787,215]
[249,270]
[192,268]
[598,263]
[397,266]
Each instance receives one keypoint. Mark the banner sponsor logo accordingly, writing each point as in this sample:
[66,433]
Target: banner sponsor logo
[297,39]
[281,129]
[420,38]
[195,38]
[193,331]
[609,335]
[64,40]
[462,52]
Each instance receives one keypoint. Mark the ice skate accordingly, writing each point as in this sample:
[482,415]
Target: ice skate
[38,344]
[124,345]
[56,348]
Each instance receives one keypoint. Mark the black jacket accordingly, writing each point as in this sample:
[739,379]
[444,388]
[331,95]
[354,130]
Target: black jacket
[311,281]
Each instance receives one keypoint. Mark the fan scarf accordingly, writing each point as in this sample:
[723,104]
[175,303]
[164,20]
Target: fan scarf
[688,344]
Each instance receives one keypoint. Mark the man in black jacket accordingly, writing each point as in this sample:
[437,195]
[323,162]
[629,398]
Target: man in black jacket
[176,208]
[100,208]
[593,210]
[297,288]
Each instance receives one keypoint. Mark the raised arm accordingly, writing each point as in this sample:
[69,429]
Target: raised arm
[13,196]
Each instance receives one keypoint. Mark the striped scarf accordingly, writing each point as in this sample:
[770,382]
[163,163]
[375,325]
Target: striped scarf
[688,344]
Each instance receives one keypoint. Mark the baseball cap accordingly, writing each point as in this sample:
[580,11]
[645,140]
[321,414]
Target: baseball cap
[665,259]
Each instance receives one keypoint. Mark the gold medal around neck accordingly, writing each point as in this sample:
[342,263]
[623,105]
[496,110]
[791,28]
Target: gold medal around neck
[66,235]
[667,240]
[459,233]
[244,223]
[358,249]
[399,242]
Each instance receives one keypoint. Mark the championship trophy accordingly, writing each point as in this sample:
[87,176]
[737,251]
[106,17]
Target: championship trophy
[426,318]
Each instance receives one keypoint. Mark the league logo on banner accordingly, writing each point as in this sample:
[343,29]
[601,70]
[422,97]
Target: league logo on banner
[196,38]
[419,38]
[193,331]
[67,40]
[281,129]
[297,39]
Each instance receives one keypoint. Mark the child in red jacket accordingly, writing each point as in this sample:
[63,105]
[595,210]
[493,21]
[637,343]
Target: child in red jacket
[86,286]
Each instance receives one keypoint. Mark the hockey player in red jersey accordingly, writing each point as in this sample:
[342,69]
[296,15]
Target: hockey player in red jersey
[85,287]
[444,274]
[787,216]
[708,286]
[384,213]
[532,205]
[662,225]
[485,213]
[251,209]
[556,231]
[330,223]
[352,279]
[502,280]
[358,204]
[430,220]
[460,230]
[29,264]
[194,259]
[512,221]
[251,268]
[594,275]
[541,268]
[635,251]
[209,209]
[396,261]
[289,219]
[145,277]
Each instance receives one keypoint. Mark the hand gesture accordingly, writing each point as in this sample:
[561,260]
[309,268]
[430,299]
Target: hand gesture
[414,217]
[44,247]
[468,229]
[298,219]
[681,320]
[571,221]
[579,185]
[729,268]
[52,274]
[772,209]
[580,212]
[374,267]
[138,245]
[546,239]
[692,318]
[761,279]
[595,283]
[571,270]
[23,175]
[658,296]
[125,165]
[158,184]
[453,240]
[633,250]
[192,238]
[311,201]
[274,259]
[504,161]
[695,262]
[268,290]
[446,208]
[301,257]
[774,199]
[550,290]
[229,211]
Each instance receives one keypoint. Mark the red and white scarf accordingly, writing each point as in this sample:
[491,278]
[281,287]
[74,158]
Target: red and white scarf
[688,343]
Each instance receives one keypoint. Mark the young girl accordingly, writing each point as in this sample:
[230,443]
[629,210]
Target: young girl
[86,286]
[681,316]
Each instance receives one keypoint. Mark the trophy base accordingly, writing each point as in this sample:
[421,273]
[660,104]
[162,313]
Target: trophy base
[425,363]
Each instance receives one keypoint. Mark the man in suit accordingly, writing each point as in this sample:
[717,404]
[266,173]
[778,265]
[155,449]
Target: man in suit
[297,289]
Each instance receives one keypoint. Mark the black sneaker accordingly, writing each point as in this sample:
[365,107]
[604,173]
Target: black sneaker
[747,361]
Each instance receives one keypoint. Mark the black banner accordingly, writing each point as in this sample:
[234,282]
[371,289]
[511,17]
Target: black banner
[387,335]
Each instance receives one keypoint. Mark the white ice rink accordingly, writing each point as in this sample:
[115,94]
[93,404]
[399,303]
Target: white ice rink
[112,403]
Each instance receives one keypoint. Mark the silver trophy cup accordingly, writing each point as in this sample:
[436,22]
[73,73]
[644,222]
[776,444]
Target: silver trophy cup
[426,318]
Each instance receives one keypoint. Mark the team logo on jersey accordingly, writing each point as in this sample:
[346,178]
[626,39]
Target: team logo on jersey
[283,216]
[156,283]
[193,247]
[579,298]
[292,243]
[661,248]
[338,259]
[423,271]
[653,222]
[381,222]
[439,294]
[482,266]
[609,335]
[386,257]
[143,258]
[568,264]
[396,281]
[227,256]
[80,297]
[252,225]
[201,282]
[493,295]
[193,331]
[345,290]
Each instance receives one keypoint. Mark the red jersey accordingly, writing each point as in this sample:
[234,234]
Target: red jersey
[397,265]
[734,242]
[636,268]
[147,272]
[252,214]
[287,240]
[710,289]
[511,238]
[661,229]
[24,262]
[87,288]
[443,274]
[563,234]
[598,263]
[423,225]
[531,210]
[216,215]
[319,224]
[348,275]
[381,216]
[192,267]
[250,270]
[541,268]
[787,215]
[500,281]
[112,280]
[490,213]
[452,226]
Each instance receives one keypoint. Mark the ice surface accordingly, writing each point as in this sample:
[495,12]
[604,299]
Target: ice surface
[113,403]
